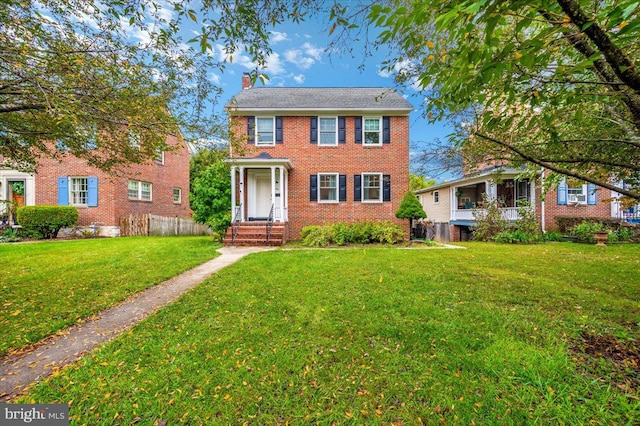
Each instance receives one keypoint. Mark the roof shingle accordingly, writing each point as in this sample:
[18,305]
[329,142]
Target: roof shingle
[309,98]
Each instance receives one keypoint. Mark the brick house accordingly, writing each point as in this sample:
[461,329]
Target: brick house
[449,205]
[159,187]
[313,156]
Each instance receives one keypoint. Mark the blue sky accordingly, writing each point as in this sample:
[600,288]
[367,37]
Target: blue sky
[301,59]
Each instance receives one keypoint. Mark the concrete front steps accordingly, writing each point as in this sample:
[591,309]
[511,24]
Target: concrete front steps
[255,234]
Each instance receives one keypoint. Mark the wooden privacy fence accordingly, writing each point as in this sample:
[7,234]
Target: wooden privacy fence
[150,224]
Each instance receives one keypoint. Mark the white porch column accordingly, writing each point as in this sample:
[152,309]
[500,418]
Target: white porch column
[273,186]
[242,197]
[233,192]
[281,194]
[286,196]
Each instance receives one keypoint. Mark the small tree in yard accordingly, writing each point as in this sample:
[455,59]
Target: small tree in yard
[410,208]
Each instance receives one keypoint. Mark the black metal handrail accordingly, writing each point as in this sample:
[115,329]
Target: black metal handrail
[270,222]
[235,225]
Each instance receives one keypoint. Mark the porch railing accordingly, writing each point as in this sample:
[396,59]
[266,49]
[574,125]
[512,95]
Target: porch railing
[235,224]
[270,222]
[507,213]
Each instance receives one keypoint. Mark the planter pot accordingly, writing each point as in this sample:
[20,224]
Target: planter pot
[601,238]
[19,199]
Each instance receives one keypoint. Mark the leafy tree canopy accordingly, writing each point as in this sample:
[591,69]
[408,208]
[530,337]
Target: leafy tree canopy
[419,182]
[109,80]
[553,84]
[210,196]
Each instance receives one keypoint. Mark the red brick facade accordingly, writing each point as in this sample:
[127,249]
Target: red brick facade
[113,199]
[602,208]
[350,159]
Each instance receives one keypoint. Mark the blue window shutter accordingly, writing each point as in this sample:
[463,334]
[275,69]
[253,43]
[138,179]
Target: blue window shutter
[386,187]
[342,188]
[313,132]
[562,193]
[63,191]
[278,129]
[251,129]
[92,191]
[358,129]
[386,129]
[342,129]
[313,187]
[592,194]
[357,188]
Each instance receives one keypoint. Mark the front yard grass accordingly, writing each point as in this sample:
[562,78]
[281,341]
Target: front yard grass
[48,286]
[491,334]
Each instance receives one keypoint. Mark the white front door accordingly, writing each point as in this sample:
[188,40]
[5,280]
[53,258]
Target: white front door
[260,196]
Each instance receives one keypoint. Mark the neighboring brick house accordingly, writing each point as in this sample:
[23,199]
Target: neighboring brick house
[160,187]
[449,205]
[316,156]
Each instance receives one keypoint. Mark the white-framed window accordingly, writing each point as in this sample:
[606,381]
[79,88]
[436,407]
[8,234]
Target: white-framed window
[160,158]
[265,130]
[328,187]
[177,196]
[372,131]
[436,197]
[328,129]
[372,187]
[577,194]
[139,190]
[134,139]
[78,191]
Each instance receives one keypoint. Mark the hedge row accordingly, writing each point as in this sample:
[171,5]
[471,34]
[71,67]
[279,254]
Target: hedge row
[352,233]
[46,221]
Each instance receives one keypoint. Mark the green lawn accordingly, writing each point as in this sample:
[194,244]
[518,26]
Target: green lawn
[48,286]
[491,334]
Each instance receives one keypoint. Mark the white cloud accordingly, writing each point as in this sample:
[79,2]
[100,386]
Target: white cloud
[237,57]
[313,51]
[295,57]
[273,64]
[403,68]
[299,78]
[215,78]
[277,37]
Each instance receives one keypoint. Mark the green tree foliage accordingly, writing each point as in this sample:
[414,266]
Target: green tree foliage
[554,84]
[419,182]
[210,197]
[101,78]
[410,208]
[203,159]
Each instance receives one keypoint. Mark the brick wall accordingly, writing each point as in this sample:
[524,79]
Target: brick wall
[601,209]
[346,159]
[113,200]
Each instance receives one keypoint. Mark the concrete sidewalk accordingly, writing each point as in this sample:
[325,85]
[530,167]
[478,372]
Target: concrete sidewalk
[19,371]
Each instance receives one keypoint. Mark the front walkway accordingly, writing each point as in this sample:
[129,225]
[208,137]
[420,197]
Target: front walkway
[19,371]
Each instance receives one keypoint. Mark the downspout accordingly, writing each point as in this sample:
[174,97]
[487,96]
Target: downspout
[542,212]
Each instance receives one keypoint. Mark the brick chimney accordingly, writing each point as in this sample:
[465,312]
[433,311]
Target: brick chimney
[246,81]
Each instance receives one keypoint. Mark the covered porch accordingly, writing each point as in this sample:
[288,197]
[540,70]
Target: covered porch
[509,193]
[259,189]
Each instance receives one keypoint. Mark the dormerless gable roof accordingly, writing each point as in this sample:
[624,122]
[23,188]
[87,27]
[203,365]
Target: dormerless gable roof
[315,99]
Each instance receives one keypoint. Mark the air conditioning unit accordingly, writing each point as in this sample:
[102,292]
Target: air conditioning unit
[574,198]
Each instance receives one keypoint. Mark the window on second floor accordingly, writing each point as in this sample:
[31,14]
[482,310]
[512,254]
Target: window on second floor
[265,131]
[328,131]
[372,131]
[436,197]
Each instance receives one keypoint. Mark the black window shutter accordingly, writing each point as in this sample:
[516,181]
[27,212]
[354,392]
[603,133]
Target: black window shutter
[357,188]
[313,188]
[386,187]
[358,129]
[386,129]
[342,129]
[342,187]
[278,129]
[314,130]
[251,129]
